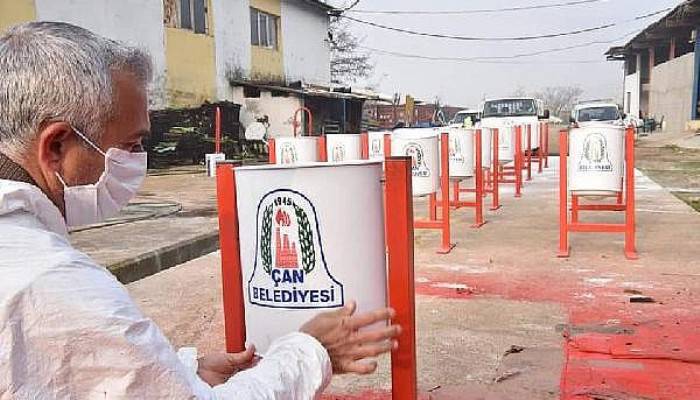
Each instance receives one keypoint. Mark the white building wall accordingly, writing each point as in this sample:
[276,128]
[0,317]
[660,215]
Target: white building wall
[632,94]
[672,92]
[232,37]
[279,110]
[136,22]
[305,43]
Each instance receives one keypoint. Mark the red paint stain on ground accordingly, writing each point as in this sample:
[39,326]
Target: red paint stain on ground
[614,348]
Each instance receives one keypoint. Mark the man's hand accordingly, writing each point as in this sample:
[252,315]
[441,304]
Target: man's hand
[338,332]
[216,369]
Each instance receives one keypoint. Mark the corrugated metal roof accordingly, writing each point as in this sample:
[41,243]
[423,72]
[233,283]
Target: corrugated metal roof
[685,16]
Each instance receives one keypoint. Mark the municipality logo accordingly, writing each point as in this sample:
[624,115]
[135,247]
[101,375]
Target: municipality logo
[290,268]
[288,153]
[456,154]
[376,147]
[595,157]
[418,165]
[338,153]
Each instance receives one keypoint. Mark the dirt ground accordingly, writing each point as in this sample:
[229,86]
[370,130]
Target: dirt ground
[677,169]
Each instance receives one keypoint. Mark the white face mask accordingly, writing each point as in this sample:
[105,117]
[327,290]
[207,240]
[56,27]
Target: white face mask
[90,204]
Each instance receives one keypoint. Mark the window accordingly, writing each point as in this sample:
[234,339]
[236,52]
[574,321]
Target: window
[263,29]
[510,108]
[187,14]
[598,114]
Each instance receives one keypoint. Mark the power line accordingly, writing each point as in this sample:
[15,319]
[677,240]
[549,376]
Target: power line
[505,39]
[477,60]
[479,11]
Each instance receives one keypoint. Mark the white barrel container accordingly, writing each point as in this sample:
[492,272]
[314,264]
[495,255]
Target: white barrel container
[596,160]
[311,239]
[536,135]
[343,148]
[423,145]
[296,150]
[376,145]
[461,152]
[506,144]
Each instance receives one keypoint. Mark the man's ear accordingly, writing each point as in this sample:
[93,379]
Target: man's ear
[53,142]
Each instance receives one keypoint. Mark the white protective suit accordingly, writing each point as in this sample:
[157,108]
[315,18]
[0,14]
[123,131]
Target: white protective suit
[69,330]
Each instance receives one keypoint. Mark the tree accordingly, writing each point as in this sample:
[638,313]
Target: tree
[348,63]
[560,98]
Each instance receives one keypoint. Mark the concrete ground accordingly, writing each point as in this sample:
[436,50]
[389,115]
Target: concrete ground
[173,220]
[576,332]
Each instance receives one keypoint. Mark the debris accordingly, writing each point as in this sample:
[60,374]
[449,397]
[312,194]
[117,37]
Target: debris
[633,291]
[642,299]
[434,388]
[675,274]
[507,375]
[514,349]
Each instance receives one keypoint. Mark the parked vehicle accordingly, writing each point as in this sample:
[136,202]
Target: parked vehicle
[466,118]
[588,113]
[510,112]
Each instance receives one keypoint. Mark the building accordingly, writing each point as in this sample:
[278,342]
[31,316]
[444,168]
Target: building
[662,70]
[270,56]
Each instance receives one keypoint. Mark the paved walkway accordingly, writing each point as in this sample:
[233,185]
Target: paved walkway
[503,286]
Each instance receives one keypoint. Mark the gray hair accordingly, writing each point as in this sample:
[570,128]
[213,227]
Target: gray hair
[54,71]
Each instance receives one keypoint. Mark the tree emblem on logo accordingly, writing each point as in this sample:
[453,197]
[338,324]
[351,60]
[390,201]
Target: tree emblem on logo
[595,155]
[290,268]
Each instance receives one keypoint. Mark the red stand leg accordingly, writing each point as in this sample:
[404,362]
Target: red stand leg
[495,189]
[529,152]
[271,151]
[322,150]
[630,212]
[479,178]
[546,145]
[540,150]
[231,272]
[563,195]
[447,246]
[455,193]
[399,220]
[518,161]
[364,146]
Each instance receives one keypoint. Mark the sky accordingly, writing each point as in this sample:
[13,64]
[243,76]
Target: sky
[467,83]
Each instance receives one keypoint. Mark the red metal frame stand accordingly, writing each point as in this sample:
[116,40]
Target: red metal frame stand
[364,146]
[441,223]
[272,151]
[478,190]
[516,171]
[528,152]
[399,221]
[624,202]
[493,177]
[400,269]
[546,145]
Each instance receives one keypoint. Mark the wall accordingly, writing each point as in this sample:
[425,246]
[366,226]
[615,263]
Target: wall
[267,65]
[232,44]
[671,91]
[280,111]
[191,67]
[306,50]
[633,87]
[13,12]
[136,22]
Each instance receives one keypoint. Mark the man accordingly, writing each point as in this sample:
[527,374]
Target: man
[73,113]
